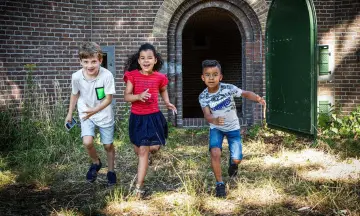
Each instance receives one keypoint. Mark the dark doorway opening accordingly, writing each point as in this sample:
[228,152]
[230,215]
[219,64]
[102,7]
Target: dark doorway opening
[209,34]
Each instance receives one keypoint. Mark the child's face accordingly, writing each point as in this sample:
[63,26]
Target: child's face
[91,65]
[147,61]
[211,76]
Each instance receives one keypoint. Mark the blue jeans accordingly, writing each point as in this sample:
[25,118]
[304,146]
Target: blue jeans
[234,139]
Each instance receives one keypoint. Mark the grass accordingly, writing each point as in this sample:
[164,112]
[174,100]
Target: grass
[42,172]
[274,179]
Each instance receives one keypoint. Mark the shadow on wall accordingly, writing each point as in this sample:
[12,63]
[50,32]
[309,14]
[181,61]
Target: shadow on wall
[347,61]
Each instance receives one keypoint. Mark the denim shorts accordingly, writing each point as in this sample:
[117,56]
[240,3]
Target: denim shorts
[234,139]
[106,133]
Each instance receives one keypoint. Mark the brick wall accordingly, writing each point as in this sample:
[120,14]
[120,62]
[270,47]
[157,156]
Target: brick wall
[338,27]
[45,33]
[325,12]
[347,56]
[48,33]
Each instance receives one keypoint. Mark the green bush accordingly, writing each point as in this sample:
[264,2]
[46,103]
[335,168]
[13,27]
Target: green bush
[341,132]
[253,132]
[343,126]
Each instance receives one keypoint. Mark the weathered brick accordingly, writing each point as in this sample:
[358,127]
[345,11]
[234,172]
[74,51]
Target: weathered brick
[35,33]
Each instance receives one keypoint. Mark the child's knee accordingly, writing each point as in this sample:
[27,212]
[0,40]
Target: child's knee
[236,161]
[109,147]
[88,141]
[215,152]
[142,151]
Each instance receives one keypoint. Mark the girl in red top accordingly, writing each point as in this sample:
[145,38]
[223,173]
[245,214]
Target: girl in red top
[147,125]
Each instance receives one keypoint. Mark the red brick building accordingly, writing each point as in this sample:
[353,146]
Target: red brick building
[48,33]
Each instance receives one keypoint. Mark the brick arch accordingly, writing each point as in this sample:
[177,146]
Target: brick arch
[168,8]
[170,22]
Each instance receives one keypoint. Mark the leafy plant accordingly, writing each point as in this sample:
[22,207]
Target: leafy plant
[253,131]
[344,126]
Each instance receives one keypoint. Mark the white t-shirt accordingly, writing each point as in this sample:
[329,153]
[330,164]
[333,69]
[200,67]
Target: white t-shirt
[92,93]
[222,104]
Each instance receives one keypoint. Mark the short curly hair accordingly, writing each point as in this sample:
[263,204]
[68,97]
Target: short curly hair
[210,63]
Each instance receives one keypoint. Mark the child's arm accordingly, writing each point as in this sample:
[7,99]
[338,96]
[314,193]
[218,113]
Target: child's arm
[210,118]
[165,96]
[254,97]
[92,110]
[73,101]
[130,97]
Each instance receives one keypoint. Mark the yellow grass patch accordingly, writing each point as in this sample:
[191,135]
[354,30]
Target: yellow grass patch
[138,207]
[219,206]
[312,164]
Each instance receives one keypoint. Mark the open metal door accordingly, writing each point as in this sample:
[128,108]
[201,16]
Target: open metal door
[291,75]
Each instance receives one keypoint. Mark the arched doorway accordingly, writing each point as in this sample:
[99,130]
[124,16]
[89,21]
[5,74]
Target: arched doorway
[169,25]
[210,33]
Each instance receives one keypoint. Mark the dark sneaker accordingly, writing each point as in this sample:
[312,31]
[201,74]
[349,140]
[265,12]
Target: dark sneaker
[233,170]
[93,170]
[220,190]
[111,176]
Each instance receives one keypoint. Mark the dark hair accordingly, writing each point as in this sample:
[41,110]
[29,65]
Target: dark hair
[132,62]
[90,49]
[210,63]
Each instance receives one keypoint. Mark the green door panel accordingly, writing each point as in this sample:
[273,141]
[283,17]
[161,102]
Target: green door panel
[290,66]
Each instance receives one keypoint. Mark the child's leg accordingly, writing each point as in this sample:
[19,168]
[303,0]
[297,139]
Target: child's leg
[110,153]
[154,149]
[88,142]
[136,150]
[107,138]
[235,146]
[143,154]
[216,163]
[87,134]
[215,146]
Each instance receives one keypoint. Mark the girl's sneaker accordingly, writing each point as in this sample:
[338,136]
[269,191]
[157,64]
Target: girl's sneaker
[93,170]
[111,176]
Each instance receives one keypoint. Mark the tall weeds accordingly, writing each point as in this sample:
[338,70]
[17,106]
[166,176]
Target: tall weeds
[35,137]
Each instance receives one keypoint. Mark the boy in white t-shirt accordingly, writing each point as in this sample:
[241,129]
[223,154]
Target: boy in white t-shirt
[218,105]
[92,90]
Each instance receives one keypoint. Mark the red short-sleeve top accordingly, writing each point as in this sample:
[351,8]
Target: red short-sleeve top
[154,82]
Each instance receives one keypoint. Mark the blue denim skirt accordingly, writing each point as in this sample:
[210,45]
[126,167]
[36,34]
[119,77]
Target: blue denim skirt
[148,130]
